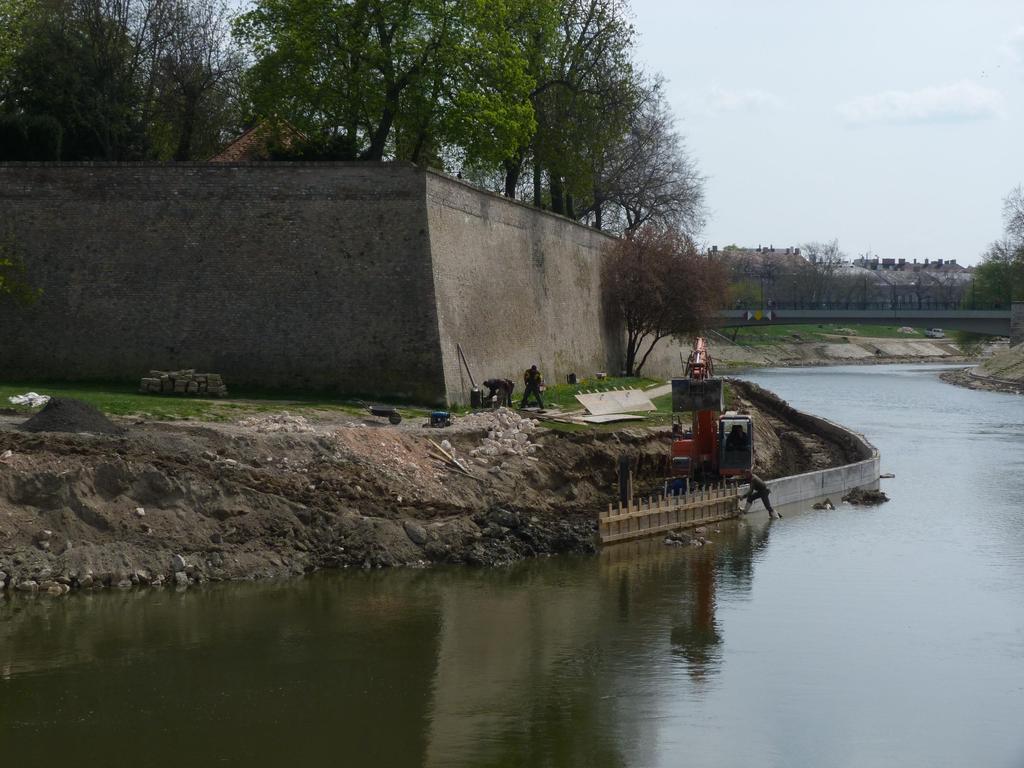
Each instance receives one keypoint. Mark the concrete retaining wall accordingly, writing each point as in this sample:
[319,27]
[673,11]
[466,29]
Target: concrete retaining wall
[834,482]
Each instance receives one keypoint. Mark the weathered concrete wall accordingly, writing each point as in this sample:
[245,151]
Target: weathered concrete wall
[292,276]
[515,286]
[1017,323]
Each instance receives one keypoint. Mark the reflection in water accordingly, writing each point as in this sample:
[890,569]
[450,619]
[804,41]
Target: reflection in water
[519,666]
[285,673]
[695,637]
[834,640]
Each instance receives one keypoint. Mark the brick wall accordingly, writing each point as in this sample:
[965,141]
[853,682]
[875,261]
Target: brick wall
[290,276]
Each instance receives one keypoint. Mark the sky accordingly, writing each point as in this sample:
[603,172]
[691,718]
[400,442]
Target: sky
[896,126]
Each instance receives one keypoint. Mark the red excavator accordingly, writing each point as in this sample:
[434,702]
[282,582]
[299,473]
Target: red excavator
[719,446]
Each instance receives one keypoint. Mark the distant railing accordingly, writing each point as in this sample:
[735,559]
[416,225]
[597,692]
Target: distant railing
[878,306]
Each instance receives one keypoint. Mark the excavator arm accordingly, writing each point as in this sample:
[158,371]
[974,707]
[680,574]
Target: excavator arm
[717,446]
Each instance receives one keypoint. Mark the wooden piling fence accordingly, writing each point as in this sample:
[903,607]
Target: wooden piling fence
[660,514]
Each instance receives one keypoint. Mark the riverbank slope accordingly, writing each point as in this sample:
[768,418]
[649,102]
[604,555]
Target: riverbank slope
[1002,372]
[275,495]
[802,348]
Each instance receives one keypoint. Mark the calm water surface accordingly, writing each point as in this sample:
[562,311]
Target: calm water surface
[891,636]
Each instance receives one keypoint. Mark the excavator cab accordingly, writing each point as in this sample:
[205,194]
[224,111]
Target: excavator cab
[735,444]
[682,449]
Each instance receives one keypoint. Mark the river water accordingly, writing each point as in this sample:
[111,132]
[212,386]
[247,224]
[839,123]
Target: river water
[888,636]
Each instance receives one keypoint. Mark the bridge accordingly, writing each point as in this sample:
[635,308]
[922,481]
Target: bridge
[993,321]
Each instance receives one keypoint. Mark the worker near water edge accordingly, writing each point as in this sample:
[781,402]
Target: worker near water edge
[533,381]
[759,490]
[500,389]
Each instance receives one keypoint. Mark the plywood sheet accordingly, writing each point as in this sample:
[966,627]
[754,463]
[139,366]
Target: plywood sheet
[615,401]
[608,418]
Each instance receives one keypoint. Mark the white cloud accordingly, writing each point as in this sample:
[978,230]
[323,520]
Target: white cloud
[956,102]
[722,100]
[716,100]
[1015,46]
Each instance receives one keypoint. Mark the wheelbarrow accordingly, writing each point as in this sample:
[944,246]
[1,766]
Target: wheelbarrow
[387,411]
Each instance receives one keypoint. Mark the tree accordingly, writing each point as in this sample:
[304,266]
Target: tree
[999,279]
[658,284]
[1013,215]
[818,278]
[13,14]
[81,63]
[197,69]
[391,78]
[647,176]
[122,79]
[13,280]
[585,89]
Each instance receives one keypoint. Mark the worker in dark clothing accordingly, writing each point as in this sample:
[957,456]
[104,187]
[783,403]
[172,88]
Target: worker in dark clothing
[533,381]
[499,391]
[759,490]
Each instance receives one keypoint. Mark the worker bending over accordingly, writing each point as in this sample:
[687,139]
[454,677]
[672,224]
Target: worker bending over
[533,381]
[759,490]
[500,389]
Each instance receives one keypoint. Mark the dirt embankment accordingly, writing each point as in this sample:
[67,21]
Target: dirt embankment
[1002,372]
[788,442]
[185,503]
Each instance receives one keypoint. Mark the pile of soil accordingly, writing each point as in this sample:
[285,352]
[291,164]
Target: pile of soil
[68,415]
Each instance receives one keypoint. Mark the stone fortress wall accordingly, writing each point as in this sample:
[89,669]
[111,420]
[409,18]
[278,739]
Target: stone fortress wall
[298,276]
[347,278]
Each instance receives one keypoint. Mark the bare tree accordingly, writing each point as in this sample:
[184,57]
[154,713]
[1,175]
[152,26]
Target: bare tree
[197,73]
[1013,215]
[817,278]
[657,282]
[649,176]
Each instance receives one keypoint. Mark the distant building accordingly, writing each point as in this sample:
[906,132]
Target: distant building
[902,265]
[256,143]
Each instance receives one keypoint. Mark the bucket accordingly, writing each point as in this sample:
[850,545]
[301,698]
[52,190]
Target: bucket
[476,398]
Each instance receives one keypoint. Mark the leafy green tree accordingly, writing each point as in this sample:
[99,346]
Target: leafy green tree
[999,279]
[370,79]
[29,137]
[78,64]
[579,54]
[125,79]
[13,14]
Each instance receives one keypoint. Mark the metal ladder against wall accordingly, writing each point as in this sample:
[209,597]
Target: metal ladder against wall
[661,514]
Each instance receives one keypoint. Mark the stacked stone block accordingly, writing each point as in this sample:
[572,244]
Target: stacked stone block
[185,382]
